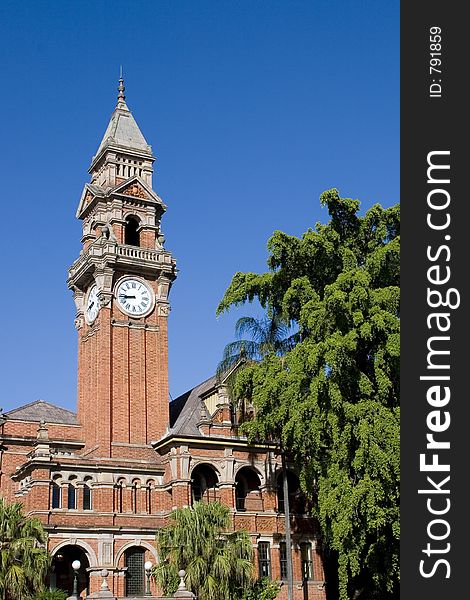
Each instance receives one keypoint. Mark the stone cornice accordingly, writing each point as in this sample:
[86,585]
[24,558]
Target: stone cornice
[221,442]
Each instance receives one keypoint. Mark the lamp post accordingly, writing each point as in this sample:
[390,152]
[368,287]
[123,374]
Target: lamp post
[148,565]
[290,577]
[76,567]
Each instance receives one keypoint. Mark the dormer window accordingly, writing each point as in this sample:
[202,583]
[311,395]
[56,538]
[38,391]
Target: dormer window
[131,233]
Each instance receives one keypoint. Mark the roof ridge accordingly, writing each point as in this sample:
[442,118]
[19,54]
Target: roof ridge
[38,401]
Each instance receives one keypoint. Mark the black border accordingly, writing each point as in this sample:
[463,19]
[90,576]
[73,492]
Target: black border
[433,124]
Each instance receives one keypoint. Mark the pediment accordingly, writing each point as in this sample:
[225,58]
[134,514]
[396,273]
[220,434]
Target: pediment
[89,193]
[135,187]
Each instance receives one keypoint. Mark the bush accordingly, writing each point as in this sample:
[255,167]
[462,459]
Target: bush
[263,589]
[50,595]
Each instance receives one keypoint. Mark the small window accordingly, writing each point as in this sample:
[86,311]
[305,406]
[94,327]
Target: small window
[306,557]
[134,497]
[119,496]
[87,495]
[149,490]
[71,497]
[56,495]
[283,560]
[264,559]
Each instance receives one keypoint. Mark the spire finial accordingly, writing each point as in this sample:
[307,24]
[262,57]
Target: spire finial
[121,88]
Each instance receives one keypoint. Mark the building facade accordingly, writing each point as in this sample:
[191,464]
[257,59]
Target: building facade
[103,480]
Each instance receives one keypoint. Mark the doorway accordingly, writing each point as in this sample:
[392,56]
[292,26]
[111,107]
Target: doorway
[61,575]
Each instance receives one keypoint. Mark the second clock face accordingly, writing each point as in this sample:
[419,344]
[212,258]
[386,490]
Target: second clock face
[134,297]
[92,305]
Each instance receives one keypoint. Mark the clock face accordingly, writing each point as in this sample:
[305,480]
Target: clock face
[92,305]
[134,297]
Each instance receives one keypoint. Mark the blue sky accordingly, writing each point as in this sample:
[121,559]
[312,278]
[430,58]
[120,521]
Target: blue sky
[253,108]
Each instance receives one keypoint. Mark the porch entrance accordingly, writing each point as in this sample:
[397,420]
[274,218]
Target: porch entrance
[61,575]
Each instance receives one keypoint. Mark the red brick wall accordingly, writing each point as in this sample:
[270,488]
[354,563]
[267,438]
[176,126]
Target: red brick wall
[123,380]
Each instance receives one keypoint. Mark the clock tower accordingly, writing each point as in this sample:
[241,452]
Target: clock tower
[121,282]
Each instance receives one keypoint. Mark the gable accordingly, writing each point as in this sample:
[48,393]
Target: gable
[42,411]
[89,193]
[135,187]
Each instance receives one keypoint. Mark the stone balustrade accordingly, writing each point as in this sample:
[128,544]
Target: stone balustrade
[116,253]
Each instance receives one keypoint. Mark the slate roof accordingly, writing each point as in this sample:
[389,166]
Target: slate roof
[185,410]
[40,410]
[123,131]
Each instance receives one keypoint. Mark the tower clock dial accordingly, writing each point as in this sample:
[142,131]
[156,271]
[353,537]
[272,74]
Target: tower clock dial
[134,297]
[92,305]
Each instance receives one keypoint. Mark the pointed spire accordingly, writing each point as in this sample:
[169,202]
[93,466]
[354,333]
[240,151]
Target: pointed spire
[122,129]
[123,136]
[121,88]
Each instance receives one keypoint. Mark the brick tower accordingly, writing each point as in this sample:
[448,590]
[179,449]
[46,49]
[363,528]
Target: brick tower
[104,481]
[121,283]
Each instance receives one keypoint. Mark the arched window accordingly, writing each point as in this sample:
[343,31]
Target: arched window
[71,494]
[131,233]
[247,490]
[296,498]
[87,505]
[119,495]
[149,495]
[204,482]
[134,493]
[56,494]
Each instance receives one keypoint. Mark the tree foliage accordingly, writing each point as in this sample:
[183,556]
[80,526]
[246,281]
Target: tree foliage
[263,589]
[50,595]
[266,335]
[333,400]
[24,560]
[218,564]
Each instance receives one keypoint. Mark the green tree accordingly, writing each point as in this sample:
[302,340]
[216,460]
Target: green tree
[24,560]
[218,564]
[333,400]
[268,335]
